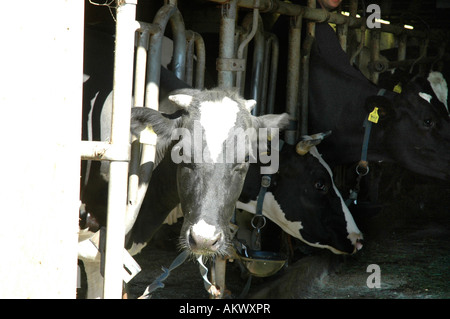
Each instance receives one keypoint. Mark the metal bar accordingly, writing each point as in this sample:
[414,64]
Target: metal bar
[304,71]
[401,55]
[293,77]
[143,37]
[120,132]
[374,55]
[342,32]
[103,151]
[189,76]
[319,15]
[167,13]
[226,45]
[195,41]
[273,74]
[265,75]
[258,55]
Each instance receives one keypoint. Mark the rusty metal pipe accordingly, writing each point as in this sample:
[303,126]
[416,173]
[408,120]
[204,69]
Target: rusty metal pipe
[226,43]
[293,77]
[195,41]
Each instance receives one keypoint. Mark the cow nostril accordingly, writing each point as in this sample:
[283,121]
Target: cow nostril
[192,242]
[217,240]
[201,242]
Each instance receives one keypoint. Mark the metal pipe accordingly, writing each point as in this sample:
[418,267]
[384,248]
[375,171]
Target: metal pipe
[304,71]
[258,67]
[195,40]
[189,76]
[361,44]
[143,36]
[103,151]
[401,55]
[226,45]
[374,55]
[253,20]
[265,77]
[120,132]
[293,77]
[342,32]
[272,38]
[258,56]
[167,13]
[319,15]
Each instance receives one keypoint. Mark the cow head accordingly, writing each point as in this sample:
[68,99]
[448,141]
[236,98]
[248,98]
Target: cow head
[211,166]
[416,130]
[304,201]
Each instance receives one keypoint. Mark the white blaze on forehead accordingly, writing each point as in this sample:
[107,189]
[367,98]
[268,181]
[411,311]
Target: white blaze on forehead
[425,96]
[204,229]
[217,118]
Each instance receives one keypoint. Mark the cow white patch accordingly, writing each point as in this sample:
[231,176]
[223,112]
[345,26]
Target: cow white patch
[352,229]
[217,119]
[425,96]
[204,229]
[273,211]
[439,86]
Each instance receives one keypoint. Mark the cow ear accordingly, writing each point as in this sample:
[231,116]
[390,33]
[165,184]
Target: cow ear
[162,124]
[309,141]
[384,107]
[250,104]
[183,97]
[280,121]
[182,100]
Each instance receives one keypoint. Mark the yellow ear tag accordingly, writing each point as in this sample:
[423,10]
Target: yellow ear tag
[398,88]
[148,136]
[373,116]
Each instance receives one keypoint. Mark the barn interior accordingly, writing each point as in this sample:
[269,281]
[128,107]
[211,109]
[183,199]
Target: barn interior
[406,225]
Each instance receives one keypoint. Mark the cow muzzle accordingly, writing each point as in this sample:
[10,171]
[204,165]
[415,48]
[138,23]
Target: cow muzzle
[205,239]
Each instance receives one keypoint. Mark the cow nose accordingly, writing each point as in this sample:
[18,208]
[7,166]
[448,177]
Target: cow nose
[204,238]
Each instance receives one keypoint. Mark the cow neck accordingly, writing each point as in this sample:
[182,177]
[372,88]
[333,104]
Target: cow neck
[368,122]
[362,168]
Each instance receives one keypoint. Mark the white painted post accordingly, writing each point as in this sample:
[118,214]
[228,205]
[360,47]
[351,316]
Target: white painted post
[40,130]
[120,135]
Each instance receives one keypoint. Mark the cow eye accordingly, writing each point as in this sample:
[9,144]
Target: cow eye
[320,185]
[188,165]
[428,123]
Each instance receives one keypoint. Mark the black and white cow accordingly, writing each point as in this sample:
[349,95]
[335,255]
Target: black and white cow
[410,130]
[203,170]
[303,199]
[206,179]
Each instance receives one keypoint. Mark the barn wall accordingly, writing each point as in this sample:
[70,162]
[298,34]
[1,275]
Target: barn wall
[40,129]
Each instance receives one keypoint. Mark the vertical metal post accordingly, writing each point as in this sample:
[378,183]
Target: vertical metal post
[167,13]
[226,46]
[270,74]
[374,53]
[293,77]
[401,54]
[120,132]
[273,74]
[304,71]
[194,40]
